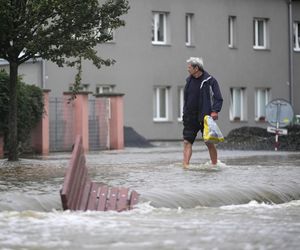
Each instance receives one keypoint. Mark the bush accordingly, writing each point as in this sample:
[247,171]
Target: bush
[256,138]
[30,108]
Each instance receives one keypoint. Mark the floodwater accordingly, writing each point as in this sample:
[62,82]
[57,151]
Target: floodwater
[251,201]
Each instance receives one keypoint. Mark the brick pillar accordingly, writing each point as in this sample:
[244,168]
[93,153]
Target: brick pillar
[81,117]
[40,134]
[116,121]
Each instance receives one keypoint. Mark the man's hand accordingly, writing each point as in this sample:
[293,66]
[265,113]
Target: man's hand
[214,115]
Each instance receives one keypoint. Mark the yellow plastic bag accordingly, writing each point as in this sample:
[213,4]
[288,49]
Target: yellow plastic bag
[211,132]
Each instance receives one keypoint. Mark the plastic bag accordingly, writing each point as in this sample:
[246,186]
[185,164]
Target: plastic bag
[211,132]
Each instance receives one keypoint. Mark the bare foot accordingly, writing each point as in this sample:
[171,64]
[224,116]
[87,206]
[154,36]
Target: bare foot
[185,166]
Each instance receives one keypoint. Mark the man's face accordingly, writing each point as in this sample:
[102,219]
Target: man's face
[192,70]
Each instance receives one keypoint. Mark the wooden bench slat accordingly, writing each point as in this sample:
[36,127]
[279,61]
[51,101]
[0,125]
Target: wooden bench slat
[83,181]
[102,198]
[111,203]
[68,179]
[92,202]
[85,195]
[74,194]
[133,199]
[122,202]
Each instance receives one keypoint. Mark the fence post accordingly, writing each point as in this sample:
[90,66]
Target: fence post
[116,119]
[81,117]
[40,134]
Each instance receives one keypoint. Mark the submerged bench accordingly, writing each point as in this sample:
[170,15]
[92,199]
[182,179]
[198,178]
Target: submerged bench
[80,193]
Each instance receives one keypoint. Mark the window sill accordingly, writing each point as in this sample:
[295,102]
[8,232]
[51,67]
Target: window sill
[190,46]
[296,49]
[261,48]
[110,42]
[157,120]
[161,44]
[232,47]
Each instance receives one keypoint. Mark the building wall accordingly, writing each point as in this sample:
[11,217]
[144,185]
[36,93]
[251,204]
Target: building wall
[141,65]
[31,73]
[296,60]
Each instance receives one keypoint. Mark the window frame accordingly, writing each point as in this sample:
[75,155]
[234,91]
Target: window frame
[242,116]
[189,29]
[256,32]
[260,116]
[180,99]
[101,88]
[157,104]
[155,25]
[296,34]
[232,32]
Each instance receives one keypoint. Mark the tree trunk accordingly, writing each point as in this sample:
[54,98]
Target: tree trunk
[12,119]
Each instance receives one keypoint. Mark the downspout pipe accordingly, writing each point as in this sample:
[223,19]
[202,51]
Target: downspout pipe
[291,62]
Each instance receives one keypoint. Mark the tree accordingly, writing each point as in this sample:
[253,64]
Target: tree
[57,30]
[30,108]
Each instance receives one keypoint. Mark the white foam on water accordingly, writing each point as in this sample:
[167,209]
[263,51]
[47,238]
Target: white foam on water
[207,166]
[254,204]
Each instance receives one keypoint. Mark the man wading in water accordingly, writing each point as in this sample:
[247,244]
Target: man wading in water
[202,97]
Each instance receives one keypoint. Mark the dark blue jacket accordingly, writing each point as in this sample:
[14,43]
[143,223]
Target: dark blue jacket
[210,97]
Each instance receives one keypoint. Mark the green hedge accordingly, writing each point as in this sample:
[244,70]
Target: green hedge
[30,107]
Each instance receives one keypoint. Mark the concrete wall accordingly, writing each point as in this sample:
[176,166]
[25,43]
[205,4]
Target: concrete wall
[141,66]
[296,59]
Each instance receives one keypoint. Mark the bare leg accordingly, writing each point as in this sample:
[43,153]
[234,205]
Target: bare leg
[212,153]
[187,153]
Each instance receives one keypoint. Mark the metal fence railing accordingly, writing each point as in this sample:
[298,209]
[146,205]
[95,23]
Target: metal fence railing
[62,124]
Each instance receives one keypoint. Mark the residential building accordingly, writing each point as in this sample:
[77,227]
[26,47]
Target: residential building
[244,45]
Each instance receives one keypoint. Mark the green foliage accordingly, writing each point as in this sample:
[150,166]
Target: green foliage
[4,101]
[58,30]
[30,107]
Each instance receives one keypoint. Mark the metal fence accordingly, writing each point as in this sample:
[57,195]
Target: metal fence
[99,112]
[61,127]
[60,130]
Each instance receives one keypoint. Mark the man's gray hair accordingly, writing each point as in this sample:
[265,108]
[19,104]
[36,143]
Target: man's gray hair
[196,61]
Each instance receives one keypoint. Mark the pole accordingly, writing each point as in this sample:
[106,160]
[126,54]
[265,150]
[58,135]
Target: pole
[278,104]
[291,63]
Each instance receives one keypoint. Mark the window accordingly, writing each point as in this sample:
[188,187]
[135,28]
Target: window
[231,31]
[260,33]
[297,36]
[161,104]
[262,98]
[188,29]
[101,89]
[180,103]
[159,28]
[109,32]
[237,104]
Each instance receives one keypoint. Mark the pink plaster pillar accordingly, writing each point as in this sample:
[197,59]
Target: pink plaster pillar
[116,122]
[81,117]
[1,146]
[116,119]
[40,134]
